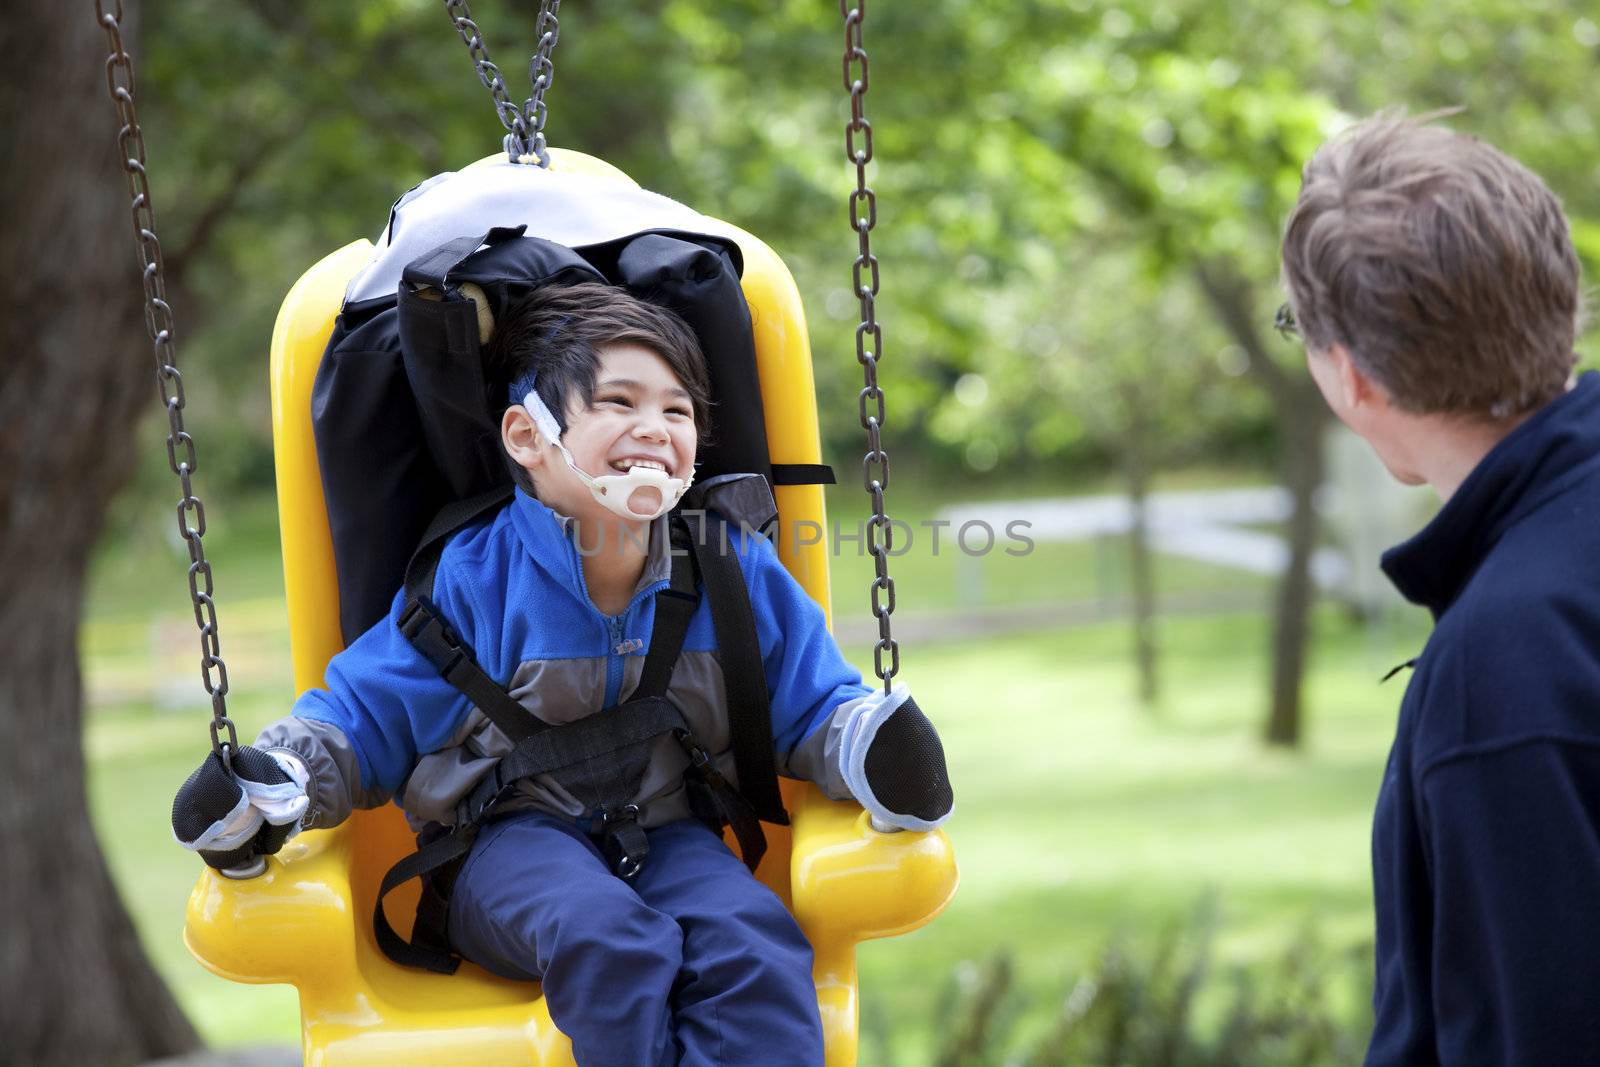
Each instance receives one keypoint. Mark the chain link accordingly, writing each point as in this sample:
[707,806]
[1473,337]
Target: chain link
[524,140]
[541,72]
[510,114]
[863,213]
[158,322]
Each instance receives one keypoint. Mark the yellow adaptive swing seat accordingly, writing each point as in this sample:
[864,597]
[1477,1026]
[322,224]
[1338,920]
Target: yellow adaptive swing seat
[307,921]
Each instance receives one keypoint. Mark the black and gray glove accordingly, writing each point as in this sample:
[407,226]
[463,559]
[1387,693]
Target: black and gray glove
[235,815]
[893,762]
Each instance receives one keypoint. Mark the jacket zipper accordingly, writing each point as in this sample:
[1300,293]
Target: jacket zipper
[613,659]
[613,624]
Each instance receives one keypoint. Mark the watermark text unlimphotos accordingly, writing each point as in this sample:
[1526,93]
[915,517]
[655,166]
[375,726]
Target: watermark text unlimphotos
[975,537]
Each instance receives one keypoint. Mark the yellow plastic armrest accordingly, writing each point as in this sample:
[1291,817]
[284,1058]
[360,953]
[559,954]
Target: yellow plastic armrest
[851,883]
[292,924]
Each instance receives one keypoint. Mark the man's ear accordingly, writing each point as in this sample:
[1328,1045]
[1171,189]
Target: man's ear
[521,438]
[1357,389]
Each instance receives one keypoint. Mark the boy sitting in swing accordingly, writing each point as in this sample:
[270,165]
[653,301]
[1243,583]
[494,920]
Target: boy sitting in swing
[606,878]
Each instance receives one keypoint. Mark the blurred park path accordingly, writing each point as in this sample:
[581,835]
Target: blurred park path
[1207,525]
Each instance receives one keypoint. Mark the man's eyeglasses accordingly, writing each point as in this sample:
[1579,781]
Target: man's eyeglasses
[1284,323]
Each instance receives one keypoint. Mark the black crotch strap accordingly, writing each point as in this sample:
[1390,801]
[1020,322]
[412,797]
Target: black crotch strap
[601,743]
[431,857]
[622,840]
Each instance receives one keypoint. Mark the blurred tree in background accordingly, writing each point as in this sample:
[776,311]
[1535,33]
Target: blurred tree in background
[1021,149]
[1080,201]
[75,983]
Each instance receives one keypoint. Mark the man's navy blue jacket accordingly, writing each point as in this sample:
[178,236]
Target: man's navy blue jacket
[1486,840]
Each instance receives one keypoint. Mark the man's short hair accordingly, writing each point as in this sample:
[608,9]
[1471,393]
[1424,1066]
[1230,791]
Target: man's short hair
[556,332]
[1442,265]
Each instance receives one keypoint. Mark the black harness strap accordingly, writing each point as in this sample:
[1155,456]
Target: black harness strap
[426,629]
[434,268]
[545,749]
[743,675]
[675,608]
[721,803]
[429,858]
[425,560]
[586,739]
[539,748]
[803,474]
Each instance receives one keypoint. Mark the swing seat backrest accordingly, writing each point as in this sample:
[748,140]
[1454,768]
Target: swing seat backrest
[307,920]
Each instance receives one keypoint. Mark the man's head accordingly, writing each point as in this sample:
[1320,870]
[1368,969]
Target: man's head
[624,379]
[1432,271]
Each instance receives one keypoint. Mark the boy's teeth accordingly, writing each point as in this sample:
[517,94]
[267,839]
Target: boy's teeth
[628,464]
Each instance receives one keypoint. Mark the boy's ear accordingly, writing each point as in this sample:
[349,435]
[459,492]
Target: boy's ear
[521,438]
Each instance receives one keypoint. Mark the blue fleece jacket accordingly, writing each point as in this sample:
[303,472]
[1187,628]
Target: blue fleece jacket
[513,587]
[1486,840]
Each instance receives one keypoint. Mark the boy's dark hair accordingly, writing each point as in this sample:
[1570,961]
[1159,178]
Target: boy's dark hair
[557,333]
[1443,266]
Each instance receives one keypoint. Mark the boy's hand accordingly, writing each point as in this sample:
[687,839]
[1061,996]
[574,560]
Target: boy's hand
[893,763]
[234,816]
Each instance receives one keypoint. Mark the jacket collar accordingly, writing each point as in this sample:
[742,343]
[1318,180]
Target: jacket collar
[1534,462]
[550,539]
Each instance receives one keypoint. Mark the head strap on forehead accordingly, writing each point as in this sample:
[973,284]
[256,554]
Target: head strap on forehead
[522,386]
[522,389]
[524,393]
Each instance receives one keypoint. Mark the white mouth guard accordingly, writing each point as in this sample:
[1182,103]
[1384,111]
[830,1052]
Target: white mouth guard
[613,491]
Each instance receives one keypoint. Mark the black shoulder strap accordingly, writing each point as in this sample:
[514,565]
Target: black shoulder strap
[431,634]
[675,607]
[743,675]
[425,558]
[427,629]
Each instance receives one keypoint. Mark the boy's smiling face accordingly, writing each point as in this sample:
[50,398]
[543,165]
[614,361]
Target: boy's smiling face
[641,415]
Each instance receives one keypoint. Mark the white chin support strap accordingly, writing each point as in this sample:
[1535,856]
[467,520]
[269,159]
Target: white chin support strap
[613,491]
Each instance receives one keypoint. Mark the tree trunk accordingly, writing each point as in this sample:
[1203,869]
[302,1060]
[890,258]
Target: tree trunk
[1301,416]
[1136,468]
[75,984]
[1300,425]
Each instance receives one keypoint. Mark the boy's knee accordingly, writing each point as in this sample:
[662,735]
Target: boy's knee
[757,933]
[625,930]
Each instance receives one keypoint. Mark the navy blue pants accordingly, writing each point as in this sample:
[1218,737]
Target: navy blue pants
[693,964]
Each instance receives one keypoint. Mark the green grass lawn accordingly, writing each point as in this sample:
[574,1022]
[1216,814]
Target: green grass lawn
[1079,816]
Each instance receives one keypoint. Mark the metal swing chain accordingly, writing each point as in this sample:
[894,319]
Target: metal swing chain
[524,140]
[869,337]
[159,324]
[489,74]
[541,72]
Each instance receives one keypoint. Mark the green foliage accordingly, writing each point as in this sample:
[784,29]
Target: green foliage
[1170,1007]
[1052,176]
